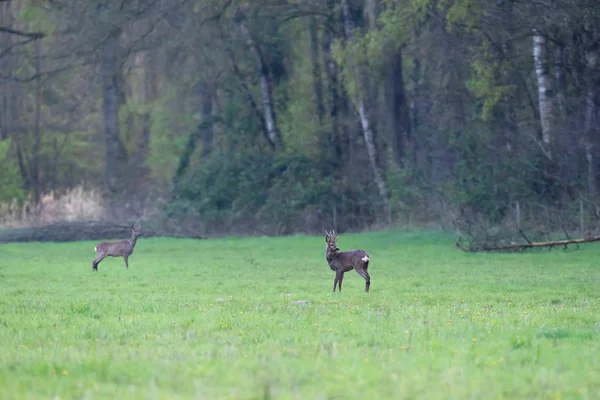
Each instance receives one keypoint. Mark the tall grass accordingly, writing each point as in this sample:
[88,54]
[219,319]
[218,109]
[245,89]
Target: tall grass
[256,318]
[75,204]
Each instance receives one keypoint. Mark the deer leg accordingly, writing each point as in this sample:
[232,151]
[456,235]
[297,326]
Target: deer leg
[337,279]
[95,263]
[363,272]
[340,281]
[126,262]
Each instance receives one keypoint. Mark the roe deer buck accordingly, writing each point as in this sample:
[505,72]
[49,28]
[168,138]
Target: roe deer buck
[122,248]
[344,261]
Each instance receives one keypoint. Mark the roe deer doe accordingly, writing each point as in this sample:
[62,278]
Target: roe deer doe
[344,261]
[122,248]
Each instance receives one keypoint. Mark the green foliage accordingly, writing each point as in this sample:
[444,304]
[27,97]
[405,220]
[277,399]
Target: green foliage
[489,183]
[274,190]
[466,14]
[37,17]
[218,319]
[469,88]
[168,129]
[486,84]
[399,20]
[11,186]
[409,190]
[298,119]
[342,53]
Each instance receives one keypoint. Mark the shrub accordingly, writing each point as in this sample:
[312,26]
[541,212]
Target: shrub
[249,192]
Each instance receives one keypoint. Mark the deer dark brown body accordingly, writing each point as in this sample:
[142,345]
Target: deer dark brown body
[344,261]
[122,248]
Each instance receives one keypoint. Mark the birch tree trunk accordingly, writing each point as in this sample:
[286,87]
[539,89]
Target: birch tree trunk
[266,90]
[544,89]
[364,120]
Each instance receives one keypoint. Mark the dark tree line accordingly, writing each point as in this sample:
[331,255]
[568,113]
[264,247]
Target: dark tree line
[282,116]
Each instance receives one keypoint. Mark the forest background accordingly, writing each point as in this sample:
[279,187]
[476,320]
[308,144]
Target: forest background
[283,116]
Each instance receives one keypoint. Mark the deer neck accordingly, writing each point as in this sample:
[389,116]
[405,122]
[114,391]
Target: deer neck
[132,243]
[329,256]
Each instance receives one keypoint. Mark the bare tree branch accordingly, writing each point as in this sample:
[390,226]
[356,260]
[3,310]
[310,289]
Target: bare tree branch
[33,35]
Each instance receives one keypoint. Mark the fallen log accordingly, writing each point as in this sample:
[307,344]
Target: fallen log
[84,230]
[523,246]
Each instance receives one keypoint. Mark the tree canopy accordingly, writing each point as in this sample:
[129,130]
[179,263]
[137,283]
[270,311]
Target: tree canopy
[287,116]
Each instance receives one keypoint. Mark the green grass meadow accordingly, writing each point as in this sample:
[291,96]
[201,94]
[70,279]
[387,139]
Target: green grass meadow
[218,319]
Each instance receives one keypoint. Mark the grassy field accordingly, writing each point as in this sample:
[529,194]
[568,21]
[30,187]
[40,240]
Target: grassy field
[218,319]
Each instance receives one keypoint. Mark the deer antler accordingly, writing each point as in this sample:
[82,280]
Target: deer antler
[330,236]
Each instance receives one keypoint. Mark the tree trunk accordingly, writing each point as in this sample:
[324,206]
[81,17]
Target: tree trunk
[11,97]
[206,113]
[142,90]
[148,95]
[561,82]
[544,89]
[332,74]
[590,141]
[248,94]
[397,107]
[116,154]
[204,132]
[6,19]
[365,123]
[37,140]
[421,143]
[22,167]
[266,89]
[217,126]
[507,77]
[316,69]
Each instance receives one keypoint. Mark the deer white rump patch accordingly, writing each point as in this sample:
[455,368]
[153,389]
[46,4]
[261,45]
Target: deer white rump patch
[365,258]
[96,248]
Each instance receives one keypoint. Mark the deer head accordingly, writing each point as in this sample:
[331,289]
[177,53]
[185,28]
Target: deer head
[331,240]
[136,230]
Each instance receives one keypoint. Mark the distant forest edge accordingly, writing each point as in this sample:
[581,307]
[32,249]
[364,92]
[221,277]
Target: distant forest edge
[82,230]
[211,117]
